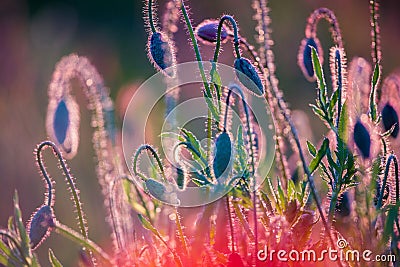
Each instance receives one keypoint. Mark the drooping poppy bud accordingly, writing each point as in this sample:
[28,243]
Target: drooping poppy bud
[304,58]
[390,119]
[362,139]
[161,53]
[207,32]
[249,76]
[40,225]
[63,125]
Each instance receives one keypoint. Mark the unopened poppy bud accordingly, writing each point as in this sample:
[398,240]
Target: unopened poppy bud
[304,58]
[362,139]
[249,76]
[207,32]
[161,53]
[223,152]
[40,225]
[390,119]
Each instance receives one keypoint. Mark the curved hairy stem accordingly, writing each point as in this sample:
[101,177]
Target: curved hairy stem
[391,158]
[150,14]
[235,36]
[70,180]
[153,152]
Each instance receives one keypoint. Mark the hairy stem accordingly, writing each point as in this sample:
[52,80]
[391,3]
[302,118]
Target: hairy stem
[202,72]
[154,154]
[391,158]
[71,183]
[235,36]
[81,240]
[150,14]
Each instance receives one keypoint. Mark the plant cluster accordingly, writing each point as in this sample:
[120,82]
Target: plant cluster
[356,160]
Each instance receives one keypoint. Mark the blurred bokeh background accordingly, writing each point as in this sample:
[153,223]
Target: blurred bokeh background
[35,34]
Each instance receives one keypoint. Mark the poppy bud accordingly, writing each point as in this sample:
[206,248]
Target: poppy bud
[362,139]
[207,32]
[223,152]
[390,119]
[249,76]
[63,125]
[161,53]
[40,225]
[304,59]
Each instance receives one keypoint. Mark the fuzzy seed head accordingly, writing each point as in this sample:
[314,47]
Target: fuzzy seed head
[390,119]
[207,32]
[162,54]
[40,225]
[249,76]
[362,139]
[304,59]
[223,153]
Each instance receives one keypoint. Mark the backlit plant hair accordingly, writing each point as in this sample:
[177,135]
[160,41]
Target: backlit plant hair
[161,49]
[236,89]
[339,82]
[274,98]
[247,74]
[311,40]
[50,195]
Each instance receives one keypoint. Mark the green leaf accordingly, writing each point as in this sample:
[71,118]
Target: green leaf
[192,139]
[333,100]
[320,155]
[213,109]
[241,153]
[271,191]
[311,148]
[8,254]
[291,190]
[376,75]
[172,135]
[146,224]
[343,124]
[26,249]
[388,230]
[216,81]
[319,74]
[53,259]
[281,196]
[372,97]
